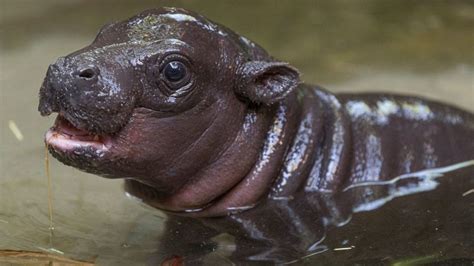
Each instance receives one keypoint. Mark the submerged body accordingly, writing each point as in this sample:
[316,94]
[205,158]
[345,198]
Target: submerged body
[202,122]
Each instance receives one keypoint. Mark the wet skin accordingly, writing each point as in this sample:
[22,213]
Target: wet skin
[202,122]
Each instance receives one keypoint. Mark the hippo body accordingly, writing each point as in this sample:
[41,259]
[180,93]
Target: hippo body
[328,142]
[203,123]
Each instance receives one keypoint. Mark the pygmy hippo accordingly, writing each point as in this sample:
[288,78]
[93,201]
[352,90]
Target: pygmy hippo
[203,122]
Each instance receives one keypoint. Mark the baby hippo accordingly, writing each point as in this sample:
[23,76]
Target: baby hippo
[202,122]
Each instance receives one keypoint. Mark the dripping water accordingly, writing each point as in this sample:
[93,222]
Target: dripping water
[50,196]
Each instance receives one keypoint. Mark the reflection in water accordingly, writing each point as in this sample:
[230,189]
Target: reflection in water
[377,193]
[288,230]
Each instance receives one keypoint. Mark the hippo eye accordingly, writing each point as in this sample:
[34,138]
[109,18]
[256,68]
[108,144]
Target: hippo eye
[175,71]
[175,74]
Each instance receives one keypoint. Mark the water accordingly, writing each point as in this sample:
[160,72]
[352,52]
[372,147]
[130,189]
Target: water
[398,46]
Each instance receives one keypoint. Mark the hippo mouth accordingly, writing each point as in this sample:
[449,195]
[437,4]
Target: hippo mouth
[66,137]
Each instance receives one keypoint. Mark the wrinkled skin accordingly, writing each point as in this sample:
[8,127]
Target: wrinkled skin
[201,122]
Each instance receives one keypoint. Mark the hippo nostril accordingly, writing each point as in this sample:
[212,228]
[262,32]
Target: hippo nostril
[88,73]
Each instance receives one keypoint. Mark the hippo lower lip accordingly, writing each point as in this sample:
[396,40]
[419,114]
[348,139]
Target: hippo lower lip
[64,136]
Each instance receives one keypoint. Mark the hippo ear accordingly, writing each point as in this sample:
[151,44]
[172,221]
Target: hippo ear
[267,82]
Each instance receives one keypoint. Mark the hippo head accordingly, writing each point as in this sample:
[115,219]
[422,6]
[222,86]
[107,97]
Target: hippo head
[156,97]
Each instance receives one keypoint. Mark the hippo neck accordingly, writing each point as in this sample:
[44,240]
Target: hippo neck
[257,181]
[302,143]
[307,147]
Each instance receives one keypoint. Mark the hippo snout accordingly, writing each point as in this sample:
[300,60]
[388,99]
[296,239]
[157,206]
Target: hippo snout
[87,93]
[62,79]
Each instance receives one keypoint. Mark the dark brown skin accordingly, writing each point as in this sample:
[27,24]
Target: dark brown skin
[204,123]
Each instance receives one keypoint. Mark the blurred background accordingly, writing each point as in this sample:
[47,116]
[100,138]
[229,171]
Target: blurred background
[412,47]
